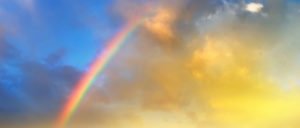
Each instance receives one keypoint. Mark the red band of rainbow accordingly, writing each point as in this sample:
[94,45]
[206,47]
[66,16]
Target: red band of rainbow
[95,68]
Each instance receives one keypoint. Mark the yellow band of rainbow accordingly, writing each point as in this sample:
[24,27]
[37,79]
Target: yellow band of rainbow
[95,68]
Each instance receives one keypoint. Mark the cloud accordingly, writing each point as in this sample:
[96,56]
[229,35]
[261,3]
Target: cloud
[219,75]
[7,51]
[29,5]
[254,7]
[32,89]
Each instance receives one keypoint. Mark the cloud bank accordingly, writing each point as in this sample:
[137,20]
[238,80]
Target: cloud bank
[202,64]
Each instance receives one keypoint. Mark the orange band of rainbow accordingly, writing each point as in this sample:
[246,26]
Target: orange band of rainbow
[95,68]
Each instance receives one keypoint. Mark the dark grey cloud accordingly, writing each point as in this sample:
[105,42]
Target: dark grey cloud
[32,88]
[7,51]
[56,57]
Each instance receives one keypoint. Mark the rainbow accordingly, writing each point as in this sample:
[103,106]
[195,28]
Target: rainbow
[95,68]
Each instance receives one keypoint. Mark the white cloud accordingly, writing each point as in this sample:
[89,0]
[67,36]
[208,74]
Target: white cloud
[254,7]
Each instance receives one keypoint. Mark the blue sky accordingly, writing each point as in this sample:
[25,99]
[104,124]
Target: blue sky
[78,28]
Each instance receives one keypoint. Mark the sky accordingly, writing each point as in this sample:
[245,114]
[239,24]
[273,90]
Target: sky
[186,63]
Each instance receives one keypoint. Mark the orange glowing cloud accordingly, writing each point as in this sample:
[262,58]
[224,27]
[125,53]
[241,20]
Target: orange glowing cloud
[160,24]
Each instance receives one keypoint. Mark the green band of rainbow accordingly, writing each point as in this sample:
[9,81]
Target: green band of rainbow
[95,68]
